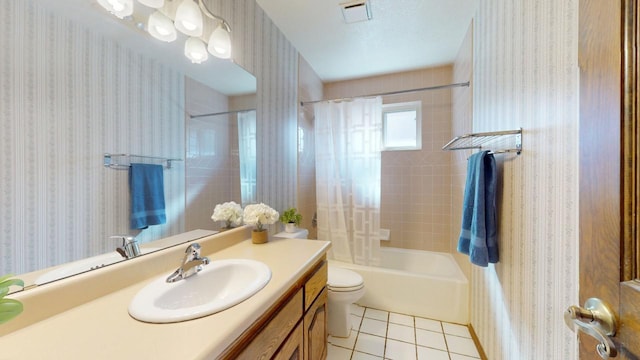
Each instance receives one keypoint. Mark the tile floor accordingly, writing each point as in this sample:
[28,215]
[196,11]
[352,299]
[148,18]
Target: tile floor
[381,335]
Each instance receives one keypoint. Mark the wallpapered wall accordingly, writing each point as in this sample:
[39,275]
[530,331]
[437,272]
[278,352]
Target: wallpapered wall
[525,75]
[56,125]
[260,48]
[69,95]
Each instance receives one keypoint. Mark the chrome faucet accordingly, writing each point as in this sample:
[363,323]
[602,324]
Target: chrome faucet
[191,264]
[129,248]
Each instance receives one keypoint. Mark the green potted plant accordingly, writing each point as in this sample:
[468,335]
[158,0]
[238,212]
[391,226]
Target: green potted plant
[291,219]
[9,308]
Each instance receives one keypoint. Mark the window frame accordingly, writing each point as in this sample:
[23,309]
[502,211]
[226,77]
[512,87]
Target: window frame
[400,107]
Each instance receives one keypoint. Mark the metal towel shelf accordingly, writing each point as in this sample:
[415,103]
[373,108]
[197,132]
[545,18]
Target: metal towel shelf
[108,160]
[480,140]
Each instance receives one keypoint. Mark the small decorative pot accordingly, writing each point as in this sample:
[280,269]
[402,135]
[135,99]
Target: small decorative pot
[259,236]
[290,227]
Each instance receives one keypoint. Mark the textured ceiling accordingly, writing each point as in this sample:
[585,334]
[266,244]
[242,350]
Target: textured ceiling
[402,35]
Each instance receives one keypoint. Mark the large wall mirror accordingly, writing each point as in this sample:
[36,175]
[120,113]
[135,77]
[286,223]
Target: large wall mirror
[76,83]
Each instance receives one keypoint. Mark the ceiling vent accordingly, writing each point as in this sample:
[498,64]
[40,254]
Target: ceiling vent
[354,11]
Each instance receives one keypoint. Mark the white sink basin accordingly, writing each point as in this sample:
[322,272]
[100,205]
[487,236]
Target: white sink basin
[220,285]
[80,266]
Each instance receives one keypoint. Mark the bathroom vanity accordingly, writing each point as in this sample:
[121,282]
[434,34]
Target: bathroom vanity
[86,316]
[295,328]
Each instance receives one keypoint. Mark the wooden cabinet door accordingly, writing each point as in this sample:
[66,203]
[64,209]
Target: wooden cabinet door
[270,337]
[315,329]
[293,348]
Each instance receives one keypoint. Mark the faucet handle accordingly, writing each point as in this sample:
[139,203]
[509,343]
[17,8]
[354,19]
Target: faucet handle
[192,251]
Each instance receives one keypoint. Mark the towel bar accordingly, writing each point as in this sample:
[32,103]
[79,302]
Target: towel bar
[108,163]
[479,140]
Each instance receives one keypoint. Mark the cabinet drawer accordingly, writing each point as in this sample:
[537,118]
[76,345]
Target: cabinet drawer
[265,344]
[314,285]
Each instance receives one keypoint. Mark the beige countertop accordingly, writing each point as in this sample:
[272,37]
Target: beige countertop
[103,329]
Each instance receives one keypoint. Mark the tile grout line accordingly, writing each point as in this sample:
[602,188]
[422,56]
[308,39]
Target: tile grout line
[386,336]
[353,351]
[415,335]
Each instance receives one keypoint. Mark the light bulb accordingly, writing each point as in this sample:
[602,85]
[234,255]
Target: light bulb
[161,27]
[195,50]
[116,5]
[189,18]
[189,25]
[220,43]
[162,31]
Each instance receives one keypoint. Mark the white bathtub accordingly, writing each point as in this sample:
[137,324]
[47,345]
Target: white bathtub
[415,282]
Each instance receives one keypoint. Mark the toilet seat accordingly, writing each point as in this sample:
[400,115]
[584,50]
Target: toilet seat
[343,280]
[343,289]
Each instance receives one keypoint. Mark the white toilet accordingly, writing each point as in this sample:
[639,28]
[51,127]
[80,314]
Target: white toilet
[344,287]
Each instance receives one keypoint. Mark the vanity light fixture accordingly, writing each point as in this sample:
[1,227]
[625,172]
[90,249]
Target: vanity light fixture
[119,8]
[161,27]
[220,42]
[188,18]
[156,4]
[195,50]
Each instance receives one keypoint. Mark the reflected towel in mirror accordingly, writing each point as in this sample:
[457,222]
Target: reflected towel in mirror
[146,185]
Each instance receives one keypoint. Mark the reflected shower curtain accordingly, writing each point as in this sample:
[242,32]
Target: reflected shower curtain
[247,150]
[348,144]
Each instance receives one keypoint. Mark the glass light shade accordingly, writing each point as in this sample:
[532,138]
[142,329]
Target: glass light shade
[195,50]
[189,18]
[157,4]
[220,43]
[119,8]
[161,27]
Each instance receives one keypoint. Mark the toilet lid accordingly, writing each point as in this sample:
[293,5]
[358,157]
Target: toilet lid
[339,278]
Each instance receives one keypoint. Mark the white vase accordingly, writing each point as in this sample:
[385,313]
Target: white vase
[290,227]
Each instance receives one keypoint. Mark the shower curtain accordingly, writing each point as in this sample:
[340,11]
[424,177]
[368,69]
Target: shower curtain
[247,150]
[348,144]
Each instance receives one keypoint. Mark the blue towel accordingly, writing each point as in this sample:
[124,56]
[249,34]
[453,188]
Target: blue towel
[146,184]
[478,236]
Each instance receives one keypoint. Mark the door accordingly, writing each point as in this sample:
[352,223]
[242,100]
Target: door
[608,177]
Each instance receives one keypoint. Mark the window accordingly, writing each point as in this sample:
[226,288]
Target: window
[402,126]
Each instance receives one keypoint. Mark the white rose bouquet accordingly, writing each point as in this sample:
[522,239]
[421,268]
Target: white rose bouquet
[229,212]
[259,215]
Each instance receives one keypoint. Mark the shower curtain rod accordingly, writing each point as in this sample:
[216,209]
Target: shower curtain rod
[438,87]
[219,113]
